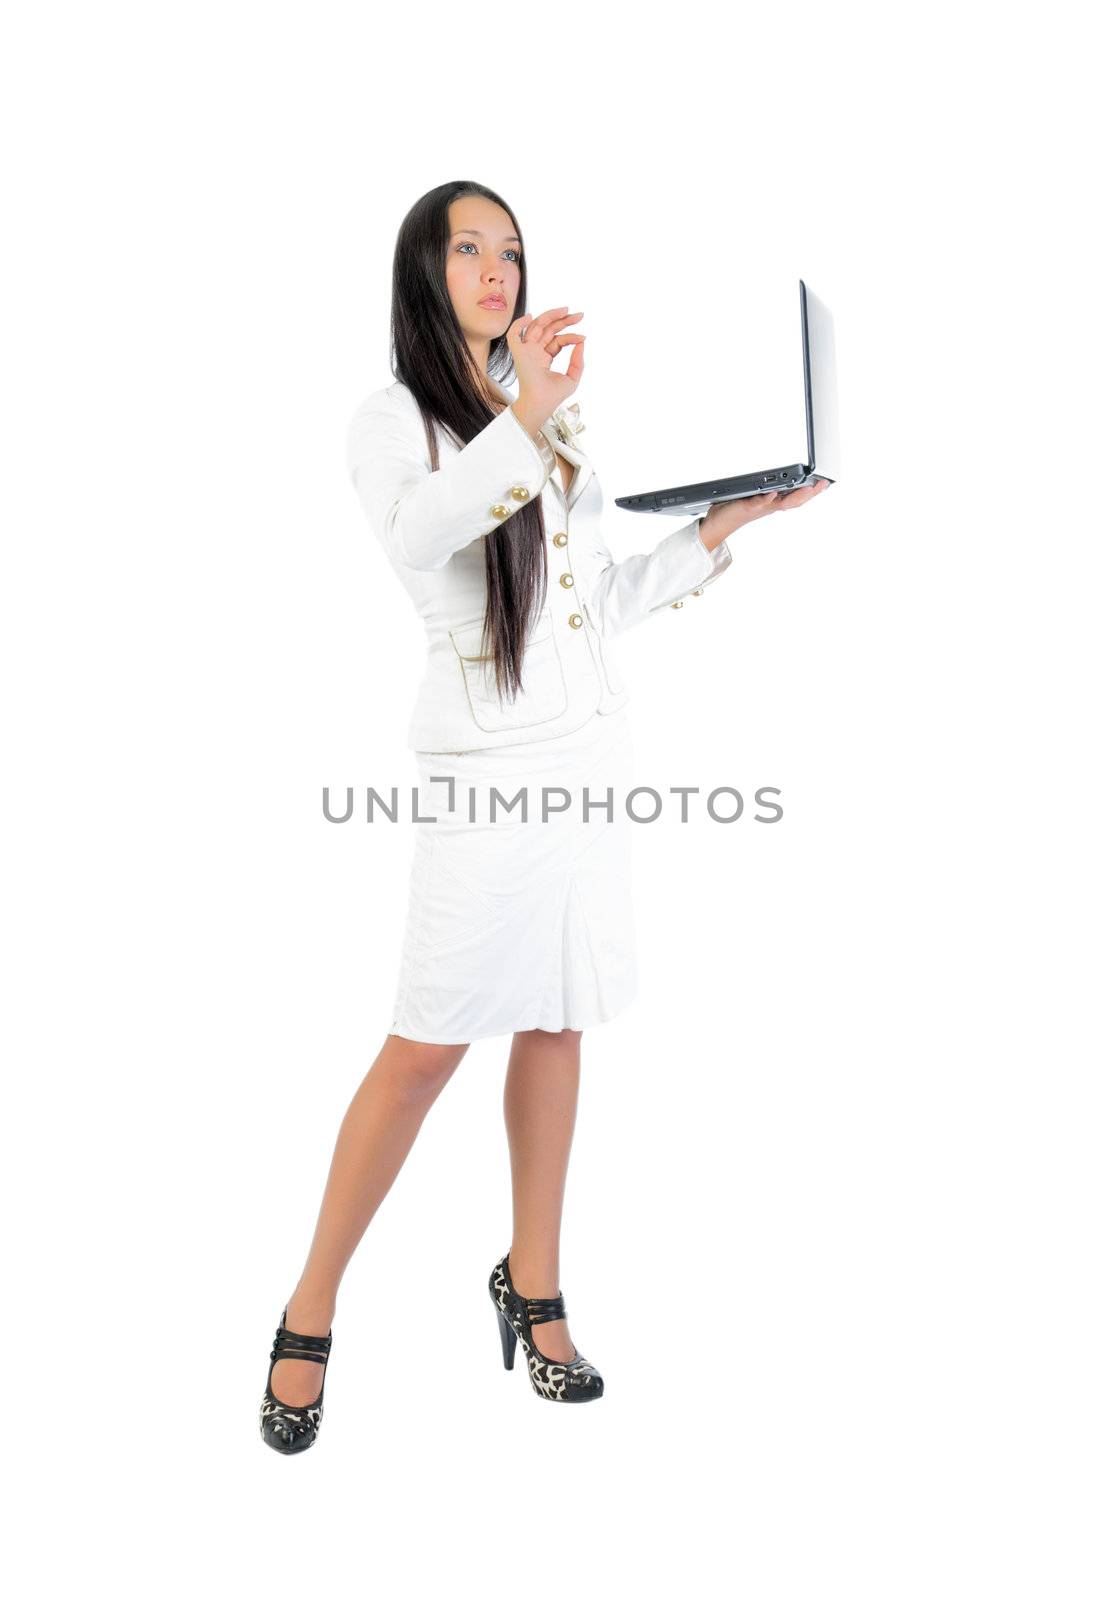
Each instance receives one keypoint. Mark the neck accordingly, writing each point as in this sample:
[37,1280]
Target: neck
[478,349]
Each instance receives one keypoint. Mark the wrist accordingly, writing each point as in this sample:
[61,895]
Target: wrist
[709,533]
[529,415]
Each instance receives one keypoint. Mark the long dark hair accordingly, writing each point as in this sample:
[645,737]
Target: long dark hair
[430,356]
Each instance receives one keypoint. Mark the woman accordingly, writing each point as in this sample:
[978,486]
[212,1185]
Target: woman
[517,923]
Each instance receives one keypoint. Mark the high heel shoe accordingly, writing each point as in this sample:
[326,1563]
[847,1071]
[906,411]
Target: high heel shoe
[517,1315]
[292,1429]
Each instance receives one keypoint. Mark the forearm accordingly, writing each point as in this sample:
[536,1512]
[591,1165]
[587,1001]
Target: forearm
[710,534]
[626,592]
[424,517]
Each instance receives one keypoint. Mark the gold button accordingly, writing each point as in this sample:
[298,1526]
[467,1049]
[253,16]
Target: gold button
[519,493]
[576,620]
[499,511]
[567,579]
[560,539]
[675,604]
[697,591]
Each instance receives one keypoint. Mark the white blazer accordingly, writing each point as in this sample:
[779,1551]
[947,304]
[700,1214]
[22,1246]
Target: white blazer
[431,525]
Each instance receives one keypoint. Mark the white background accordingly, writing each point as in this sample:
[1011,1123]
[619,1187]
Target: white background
[829,1225]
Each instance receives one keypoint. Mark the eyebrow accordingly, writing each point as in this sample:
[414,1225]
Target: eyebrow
[507,240]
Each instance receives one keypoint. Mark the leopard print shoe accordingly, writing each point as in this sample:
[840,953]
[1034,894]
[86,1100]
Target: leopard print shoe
[518,1315]
[292,1429]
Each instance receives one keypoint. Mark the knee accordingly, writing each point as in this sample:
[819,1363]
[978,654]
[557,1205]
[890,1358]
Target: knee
[424,1068]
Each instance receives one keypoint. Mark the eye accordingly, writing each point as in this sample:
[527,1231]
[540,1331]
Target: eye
[510,251]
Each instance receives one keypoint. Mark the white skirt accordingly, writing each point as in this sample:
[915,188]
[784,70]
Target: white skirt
[516,924]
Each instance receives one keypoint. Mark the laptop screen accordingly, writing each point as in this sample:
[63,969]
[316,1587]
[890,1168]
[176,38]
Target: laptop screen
[820,332]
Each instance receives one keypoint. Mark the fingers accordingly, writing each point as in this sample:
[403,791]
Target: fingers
[559,340]
[799,497]
[528,330]
[574,369]
[546,315]
[760,504]
[549,321]
[534,330]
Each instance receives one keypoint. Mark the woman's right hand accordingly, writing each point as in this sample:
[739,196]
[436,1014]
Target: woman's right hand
[541,390]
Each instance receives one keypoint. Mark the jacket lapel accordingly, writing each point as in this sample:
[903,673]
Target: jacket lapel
[569,449]
[581,463]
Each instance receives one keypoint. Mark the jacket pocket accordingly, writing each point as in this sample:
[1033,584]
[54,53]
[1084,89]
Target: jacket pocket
[544,694]
[606,655]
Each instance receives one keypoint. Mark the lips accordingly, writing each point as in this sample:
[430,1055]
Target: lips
[494,302]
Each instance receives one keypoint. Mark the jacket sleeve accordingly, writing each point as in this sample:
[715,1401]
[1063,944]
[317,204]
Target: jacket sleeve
[423,517]
[623,593]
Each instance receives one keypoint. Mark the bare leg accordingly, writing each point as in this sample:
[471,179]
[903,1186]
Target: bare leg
[377,1132]
[539,1107]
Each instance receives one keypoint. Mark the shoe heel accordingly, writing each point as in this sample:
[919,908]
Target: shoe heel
[508,1338]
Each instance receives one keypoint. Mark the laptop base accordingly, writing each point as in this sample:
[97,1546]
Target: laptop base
[695,498]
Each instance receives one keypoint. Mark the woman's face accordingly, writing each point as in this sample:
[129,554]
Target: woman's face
[482,259]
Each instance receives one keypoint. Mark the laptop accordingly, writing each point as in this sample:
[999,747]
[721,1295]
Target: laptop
[821,433]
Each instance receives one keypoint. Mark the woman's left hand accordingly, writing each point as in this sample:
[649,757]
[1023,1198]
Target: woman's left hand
[726,516]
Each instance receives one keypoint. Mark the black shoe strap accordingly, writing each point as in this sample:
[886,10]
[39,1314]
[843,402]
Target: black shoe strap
[301,1346]
[540,1309]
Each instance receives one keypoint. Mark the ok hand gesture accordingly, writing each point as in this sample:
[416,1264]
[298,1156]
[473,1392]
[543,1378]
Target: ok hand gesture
[533,342]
